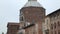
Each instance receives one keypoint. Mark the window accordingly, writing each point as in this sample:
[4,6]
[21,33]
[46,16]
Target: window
[57,15]
[47,21]
[21,18]
[21,13]
[51,26]
[47,31]
[58,23]
[54,25]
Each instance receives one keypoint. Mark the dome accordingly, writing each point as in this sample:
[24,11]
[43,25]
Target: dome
[32,3]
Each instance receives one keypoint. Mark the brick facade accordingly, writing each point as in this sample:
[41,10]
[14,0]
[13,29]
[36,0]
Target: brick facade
[12,28]
[31,17]
[34,15]
[53,22]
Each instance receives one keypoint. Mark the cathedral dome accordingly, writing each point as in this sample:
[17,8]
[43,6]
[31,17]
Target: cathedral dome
[33,3]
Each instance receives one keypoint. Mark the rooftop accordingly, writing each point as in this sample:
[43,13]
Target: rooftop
[12,23]
[32,3]
[54,12]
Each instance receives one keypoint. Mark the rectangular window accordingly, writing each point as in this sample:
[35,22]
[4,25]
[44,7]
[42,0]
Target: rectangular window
[47,31]
[47,21]
[58,23]
[54,25]
[51,26]
[21,18]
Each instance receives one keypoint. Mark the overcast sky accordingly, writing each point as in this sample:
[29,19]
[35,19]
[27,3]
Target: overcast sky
[9,10]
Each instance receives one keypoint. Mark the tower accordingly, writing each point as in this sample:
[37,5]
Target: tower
[33,12]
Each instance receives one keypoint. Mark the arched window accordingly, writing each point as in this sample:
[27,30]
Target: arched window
[21,18]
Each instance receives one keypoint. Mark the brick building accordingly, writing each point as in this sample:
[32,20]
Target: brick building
[33,20]
[12,28]
[52,22]
[46,25]
[55,22]
[32,15]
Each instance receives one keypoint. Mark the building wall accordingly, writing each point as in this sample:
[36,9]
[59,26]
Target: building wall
[32,30]
[12,28]
[46,25]
[34,15]
[21,30]
[29,30]
[54,21]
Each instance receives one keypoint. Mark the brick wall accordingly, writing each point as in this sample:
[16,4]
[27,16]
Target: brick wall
[12,28]
[34,15]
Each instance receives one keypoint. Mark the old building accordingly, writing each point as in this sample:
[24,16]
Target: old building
[32,15]
[21,30]
[46,25]
[55,20]
[12,28]
[32,20]
[52,22]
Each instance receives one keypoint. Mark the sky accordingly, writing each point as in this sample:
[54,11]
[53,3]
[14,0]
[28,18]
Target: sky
[9,10]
